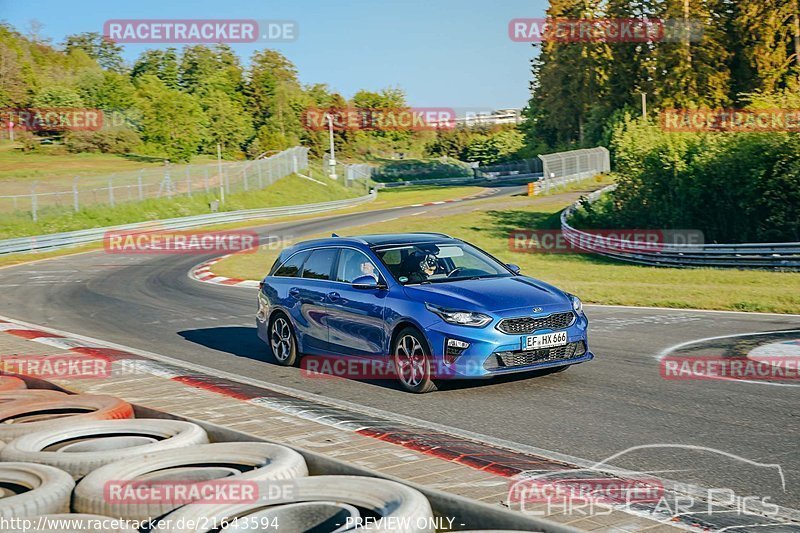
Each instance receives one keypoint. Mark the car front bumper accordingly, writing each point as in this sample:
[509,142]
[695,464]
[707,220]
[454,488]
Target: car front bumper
[492,352]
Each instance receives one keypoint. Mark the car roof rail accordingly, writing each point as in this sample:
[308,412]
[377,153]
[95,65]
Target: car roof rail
[431,233]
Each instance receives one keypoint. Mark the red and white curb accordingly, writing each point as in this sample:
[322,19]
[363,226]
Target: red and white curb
[205,274]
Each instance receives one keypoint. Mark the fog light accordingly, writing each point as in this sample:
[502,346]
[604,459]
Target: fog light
[455,343]
[453,349]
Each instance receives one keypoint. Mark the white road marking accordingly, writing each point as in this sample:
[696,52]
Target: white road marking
[681,345]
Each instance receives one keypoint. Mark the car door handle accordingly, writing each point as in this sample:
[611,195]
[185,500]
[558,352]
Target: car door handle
[294,292]
[333,296]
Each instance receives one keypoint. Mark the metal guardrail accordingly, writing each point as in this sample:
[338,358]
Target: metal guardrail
[56,241]
[782,256]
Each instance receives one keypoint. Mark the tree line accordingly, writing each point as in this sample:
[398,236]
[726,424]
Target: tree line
[178,103]
[741,186]
[743,48]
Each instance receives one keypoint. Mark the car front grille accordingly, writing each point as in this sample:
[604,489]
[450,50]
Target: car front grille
[529,324]
[507,359]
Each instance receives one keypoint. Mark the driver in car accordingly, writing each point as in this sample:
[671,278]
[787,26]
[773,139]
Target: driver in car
[427,267]
[368,269]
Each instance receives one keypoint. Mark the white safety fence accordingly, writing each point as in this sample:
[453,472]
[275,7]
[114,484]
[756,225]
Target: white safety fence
[168,181]
[563,168]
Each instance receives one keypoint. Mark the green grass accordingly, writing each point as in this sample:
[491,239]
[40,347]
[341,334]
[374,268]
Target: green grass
[594,279]
[290,190]
[53,163]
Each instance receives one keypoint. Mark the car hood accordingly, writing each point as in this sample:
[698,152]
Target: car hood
[492,294]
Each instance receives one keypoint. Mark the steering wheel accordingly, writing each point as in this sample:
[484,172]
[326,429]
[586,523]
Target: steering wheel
[456,269]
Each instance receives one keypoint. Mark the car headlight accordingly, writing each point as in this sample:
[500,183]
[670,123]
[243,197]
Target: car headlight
[577,305]
[460,318]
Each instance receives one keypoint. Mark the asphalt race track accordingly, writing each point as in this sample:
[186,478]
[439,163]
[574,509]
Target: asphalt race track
[591,411]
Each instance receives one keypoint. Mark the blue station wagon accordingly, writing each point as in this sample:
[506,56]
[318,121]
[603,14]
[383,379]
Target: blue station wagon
[432,305]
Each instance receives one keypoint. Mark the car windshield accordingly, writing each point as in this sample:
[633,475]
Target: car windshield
[438,263]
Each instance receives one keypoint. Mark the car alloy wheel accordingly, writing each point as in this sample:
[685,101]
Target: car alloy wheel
[281,340]
[411,361]
[412,364]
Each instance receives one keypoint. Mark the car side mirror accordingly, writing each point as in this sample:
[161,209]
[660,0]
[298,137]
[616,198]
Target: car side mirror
[513,268]
[367,283]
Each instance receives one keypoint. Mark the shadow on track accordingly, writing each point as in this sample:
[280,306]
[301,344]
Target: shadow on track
[240,341]
[243,341]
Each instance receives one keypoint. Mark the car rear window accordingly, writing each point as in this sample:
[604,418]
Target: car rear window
[291,268]
[319,265]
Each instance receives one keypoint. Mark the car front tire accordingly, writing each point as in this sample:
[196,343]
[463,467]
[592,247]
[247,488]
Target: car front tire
[412,361]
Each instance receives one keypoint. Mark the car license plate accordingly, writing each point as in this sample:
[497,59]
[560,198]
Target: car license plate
[546,340]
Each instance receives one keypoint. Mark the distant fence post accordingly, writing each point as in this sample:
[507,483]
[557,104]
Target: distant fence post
[244,177]
[141,187]
[75,202]
[34,202]
[111,190]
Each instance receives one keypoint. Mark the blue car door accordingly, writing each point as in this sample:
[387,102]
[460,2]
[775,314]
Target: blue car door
[311,292]
[355,316]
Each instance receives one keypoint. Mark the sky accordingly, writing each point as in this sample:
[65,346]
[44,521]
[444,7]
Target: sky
[442,53]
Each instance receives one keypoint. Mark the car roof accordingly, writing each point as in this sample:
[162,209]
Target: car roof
[378,240]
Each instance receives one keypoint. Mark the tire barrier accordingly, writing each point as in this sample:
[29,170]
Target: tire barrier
[304,516]
[29,490]
[83,447]
[11,383]
[396,507]
[21,418]
[49,439]
[228,461]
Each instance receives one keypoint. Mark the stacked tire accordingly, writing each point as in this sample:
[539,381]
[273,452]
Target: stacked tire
[87,454]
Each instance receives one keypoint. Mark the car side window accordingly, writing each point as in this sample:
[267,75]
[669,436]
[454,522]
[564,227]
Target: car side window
[355,264]
[320,263]
[291,268]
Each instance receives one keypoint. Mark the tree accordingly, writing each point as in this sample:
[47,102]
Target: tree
[206,69]
[767,54]
[569,80]
[228,124]
[13,89]
[57,96]
[106,52]
[171,120]
[162,64]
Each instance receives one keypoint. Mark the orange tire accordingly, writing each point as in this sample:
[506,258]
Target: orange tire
[17,418]
[28,396]
[11,383]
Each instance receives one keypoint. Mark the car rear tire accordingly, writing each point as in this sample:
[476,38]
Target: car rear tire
[412,361]
[282,342]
